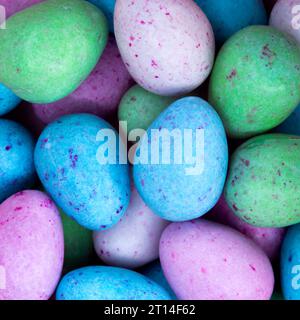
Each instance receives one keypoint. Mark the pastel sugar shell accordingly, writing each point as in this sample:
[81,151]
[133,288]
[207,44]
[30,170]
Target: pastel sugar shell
[78,243]
[107,7]
[285,17]
[99,94]
[17,170]
[292,124]
[108,283]
[41,64]
[203,260]
[31,247]
[12,7]
[262,187]
[290,264]
[149,33]
[154,272]
[95,194]
[180,192]
[230,16]
[8,100]
[134,241]
[255,81]
[139,108]
[269,239]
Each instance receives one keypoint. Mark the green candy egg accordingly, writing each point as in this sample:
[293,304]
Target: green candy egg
[139,108]
[263,186]
[78,243]
[255,83]
[47,50]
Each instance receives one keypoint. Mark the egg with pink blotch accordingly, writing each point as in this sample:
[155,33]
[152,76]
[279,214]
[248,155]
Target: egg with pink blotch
[14,6]
[31,247]
[269,239]
[204,260]
[99,94]
[167,45]
[134,241]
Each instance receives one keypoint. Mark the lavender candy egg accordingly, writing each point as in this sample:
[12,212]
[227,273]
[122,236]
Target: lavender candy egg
[31,247]
[269,239]
[108,283]
[17,170]
[204,260]
[191,181]
[93,192]
[99,94]
[285,17]
[134,240]
[167,45]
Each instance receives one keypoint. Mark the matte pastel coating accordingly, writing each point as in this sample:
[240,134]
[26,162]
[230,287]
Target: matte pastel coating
[255,81]
[107,7]
[42,64]
[108,283]
[95,194]
[8,100]
[262,186]
[31,247]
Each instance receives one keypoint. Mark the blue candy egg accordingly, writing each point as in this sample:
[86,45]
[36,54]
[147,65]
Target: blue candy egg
[107,7]
[17,170]
[229,16]
[292,124]
[290,264]
[8,100]
[108,283]
[183,177]
[96,194]
[154,272]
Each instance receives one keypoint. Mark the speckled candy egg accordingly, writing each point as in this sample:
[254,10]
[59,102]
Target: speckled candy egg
[285,16]
[107,7]
[17,170]
[108,283]
[14,6]
[31,247]
[262,187]
[183,188]
[99,94]
[42,64]
[290,264]
[292,124]
[8,100]
[203,260]
[95,194]
[139,108]
[167,45]
[255,82]
[78,243]
[269,239]
[154,272]
[134,241]
[229,16]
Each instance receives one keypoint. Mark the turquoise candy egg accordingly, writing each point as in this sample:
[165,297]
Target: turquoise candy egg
[17,170]
[189,182]
[108,283]
[96,194]
[290,264]
[8,100]
[107,7]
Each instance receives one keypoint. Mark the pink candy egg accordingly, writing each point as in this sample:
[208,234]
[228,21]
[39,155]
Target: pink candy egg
[285,16]
[204,260]
[269,239]
[99,94]
[167,45]
[134,241]
[31,247]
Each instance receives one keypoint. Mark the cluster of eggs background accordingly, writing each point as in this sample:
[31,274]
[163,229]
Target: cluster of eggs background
[230,67]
